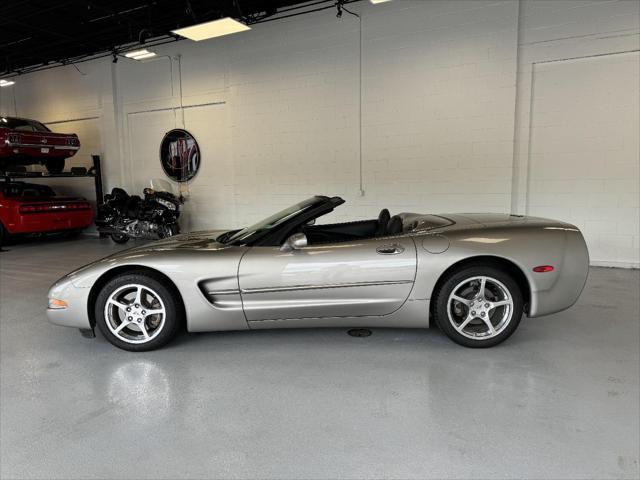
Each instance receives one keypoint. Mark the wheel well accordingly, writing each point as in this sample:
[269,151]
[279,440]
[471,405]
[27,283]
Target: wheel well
[114,272]
[514,270]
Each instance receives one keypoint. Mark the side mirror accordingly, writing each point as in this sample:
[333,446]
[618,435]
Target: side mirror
[294,242]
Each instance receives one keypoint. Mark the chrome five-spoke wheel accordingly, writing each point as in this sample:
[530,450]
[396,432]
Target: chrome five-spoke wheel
[135,313]
[139,311]
[479,305]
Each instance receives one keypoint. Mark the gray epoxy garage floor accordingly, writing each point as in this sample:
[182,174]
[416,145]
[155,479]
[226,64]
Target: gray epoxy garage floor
[558,400]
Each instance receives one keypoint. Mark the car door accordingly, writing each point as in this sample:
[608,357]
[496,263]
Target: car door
[369,277]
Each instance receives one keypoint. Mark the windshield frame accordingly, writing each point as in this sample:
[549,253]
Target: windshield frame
[266,226]
[283,223]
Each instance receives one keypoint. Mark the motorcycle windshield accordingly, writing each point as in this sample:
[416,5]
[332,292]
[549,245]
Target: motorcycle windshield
[161,185]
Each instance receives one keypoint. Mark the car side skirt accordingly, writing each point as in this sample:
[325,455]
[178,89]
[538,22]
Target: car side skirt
[413,314]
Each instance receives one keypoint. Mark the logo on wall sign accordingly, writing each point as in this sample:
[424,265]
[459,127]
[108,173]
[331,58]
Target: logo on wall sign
[179,155]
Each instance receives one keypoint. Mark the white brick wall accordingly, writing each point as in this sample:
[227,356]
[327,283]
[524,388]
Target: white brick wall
[441,81]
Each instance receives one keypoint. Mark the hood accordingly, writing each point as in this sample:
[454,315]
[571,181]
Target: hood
[202,240]
[194,241]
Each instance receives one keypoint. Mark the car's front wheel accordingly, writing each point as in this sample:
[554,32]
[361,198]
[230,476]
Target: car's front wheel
[137,312]
[478,306]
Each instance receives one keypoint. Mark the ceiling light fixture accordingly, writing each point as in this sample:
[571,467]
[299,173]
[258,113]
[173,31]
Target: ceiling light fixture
[216,28]
[6,83]
[140,54]
[379,1]
[146,55]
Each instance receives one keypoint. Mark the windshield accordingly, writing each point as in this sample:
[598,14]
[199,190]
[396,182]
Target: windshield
[273,221]
[22,125]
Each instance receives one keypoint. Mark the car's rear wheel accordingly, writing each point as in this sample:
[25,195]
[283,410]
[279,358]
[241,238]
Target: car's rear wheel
[478,306]
[138,312]
[54,165]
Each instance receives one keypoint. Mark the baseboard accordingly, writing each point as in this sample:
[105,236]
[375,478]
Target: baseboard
[628,265]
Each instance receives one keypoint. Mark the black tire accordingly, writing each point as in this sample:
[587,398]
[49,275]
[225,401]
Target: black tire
[3,235]
[457,277]
[72,233]
[174,317]
[120,237]
[54,165]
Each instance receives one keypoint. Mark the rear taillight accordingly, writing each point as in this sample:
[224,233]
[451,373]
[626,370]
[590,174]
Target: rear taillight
[76,206]
[58,207]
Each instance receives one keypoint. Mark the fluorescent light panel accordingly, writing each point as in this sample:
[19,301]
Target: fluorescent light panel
[216,28]
[140,54]
[379,1]
[146,55]
[6,83]
[135,53]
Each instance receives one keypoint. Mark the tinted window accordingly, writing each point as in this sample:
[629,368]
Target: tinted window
[15,190]
[23,125]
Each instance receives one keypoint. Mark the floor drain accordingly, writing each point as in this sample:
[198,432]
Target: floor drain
[359,332]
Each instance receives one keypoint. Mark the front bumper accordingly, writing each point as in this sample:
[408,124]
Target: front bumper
[75,314]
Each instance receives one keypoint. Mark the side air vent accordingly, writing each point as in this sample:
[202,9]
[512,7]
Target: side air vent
[222,298]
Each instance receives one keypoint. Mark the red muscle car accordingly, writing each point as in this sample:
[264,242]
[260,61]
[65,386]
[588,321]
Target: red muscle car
[27,142]
[27,208]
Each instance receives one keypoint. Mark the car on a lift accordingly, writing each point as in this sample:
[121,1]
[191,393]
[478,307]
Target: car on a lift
[29,208]
[29,142]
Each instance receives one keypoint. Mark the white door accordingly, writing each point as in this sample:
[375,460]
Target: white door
[585,151]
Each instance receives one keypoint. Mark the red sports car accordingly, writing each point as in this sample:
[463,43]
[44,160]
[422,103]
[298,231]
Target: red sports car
[27,142]
[27,208]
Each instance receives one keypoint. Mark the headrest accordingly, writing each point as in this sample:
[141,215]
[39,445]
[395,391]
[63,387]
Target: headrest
[394,226]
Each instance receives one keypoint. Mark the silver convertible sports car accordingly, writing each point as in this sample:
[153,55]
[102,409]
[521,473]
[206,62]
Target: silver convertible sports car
[473,274]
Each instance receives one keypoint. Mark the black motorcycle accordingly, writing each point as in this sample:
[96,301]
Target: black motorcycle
[124,216]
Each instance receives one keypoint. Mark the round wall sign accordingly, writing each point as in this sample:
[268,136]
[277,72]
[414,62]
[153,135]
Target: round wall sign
[179,155]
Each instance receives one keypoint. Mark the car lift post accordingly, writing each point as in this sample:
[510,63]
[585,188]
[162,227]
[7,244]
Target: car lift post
[97,171]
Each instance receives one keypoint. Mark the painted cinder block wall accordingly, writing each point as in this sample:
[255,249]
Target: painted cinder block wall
[528,107]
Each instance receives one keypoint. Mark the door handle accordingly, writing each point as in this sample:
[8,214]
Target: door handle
[392,249]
